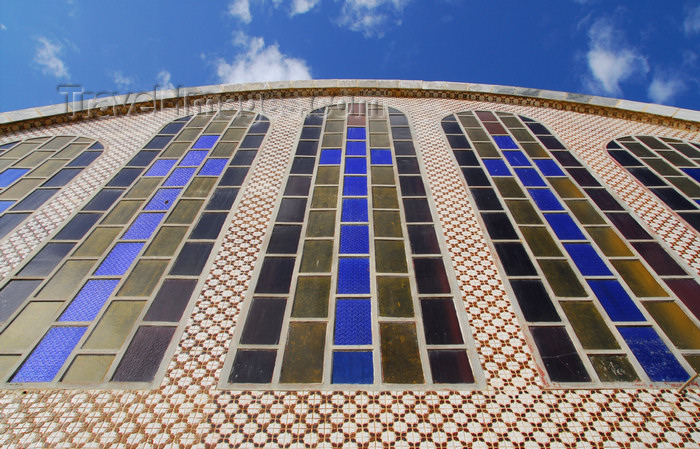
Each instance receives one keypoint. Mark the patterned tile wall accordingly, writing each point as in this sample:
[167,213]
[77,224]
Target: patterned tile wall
[516,410]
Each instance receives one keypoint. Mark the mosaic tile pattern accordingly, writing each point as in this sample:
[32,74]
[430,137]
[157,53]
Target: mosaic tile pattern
[516,411]
[32,171]
[339,301]
[114,283]
[669,168]
[569,251]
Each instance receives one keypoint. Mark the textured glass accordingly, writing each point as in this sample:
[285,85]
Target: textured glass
[161,167]
[163,199]
[89,300]
[119,259]
[353,322]
[213,167]
[143,226]
[50,354]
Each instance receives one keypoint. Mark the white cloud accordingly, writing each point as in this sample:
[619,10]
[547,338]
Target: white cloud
[664,90]
[241,10]
[371,17]
[3,27]
[122,81]
[260,63]
[163,80]
[303,6]
[692,21]
[47,56]
[610,60]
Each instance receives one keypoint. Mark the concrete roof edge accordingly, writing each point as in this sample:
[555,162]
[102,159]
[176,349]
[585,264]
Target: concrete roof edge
[334,84]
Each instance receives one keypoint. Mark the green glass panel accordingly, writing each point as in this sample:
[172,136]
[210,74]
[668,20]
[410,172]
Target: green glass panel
[66,280]
[534,150]
[143,188]
[317,256]
[88,368]
[176,149]
[335,126]
[387,223]
[325,197]
[609,242]
[675,323]
[486,149]
[20,189]
[303,354]
[390,256]
[224,149]
[234,134]
[378,126]
[509,188]
[327,175]
[562,278]
[394,297]
[379,140]
[184,212]
[33,159]
[614,368]
[332,140]
[566,188]
[540,242]
[122,212]
[585,212]
[384,198]
[383,176]
[29,325]
[400,355]
[321,223]
[311,297]
[199,187]
[523,212]
[99,240]
[71,151]
[143,278]
[638,278]
[166,241]
[589,325]
[115,325]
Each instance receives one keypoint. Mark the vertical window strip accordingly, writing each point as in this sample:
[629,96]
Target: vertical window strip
[562,207]
[153,242]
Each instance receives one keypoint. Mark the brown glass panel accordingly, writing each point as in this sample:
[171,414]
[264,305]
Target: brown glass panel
[394,296]
[311,297]
[609,242]
[303,354]
[534,150]
[589,325]
[401,362]
[486,149]
[638,278]
[379,140]
[562,278]
[675,323]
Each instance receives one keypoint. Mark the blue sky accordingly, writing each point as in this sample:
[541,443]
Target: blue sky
[641,50]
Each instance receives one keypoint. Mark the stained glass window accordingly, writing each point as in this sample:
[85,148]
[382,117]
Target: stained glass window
[601,298]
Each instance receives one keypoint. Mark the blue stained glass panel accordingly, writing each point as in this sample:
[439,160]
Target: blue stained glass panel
[615,300]
[354,239]
[353,322]
[330,157]
[179,177]
[356,148]
[564,227]
[213,167]
[193,158]
[163,199]
[545,199]
[89,300]
[505,142]
[11,175]
[517,159]
[353,276]
[530,177]
[352,367]
[160,167]
[380,157]
[651,352]
[50,354]
[4,205]
[205,142]
[356,166]
[693,173]
[548,167]
[355,186]
[354,210]
[357,133]
[143,226]
[497,167]
[587,259]
[119,259]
